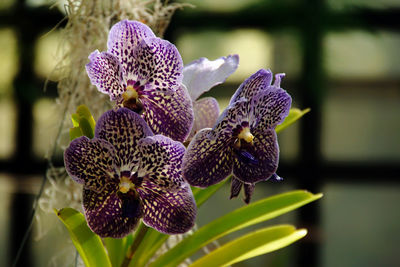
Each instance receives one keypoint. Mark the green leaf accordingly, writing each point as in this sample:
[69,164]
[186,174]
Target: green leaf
[75,119]
[256,212]
[251,245]
[87,243]
[294,115]
[116,248]
[154,240]
[74,133]
[149,246]
[86,128]
[84,112]
[83,122]
[201,195]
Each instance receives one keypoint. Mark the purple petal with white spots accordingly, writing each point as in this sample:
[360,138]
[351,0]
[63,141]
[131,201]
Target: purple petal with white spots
[123,39]
[105,213]
[169,204]
[90,162]
[270,107]
[264,161]
[232,117]
[169,114]
[157,65]
[206,112]
[106,74]
[123,129]
[169,212]
[208,161]
[201,75]
[161,161]
[256,83]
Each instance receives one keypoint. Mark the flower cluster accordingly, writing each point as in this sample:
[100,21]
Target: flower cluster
[243,141]
[136,166]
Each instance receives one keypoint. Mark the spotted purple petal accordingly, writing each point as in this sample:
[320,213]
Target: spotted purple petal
[123,129]
[169,212]
[201,75]
[90,162]
[157,65]
[106,74]
[161,161]
[105,212]
[169,114]
[264,155]
[168,201]
[206,112]
[208,161]
[256,83]
[123,39]
[270,107]
[232,117]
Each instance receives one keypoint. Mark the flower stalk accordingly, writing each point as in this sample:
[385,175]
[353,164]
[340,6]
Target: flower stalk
[137,240]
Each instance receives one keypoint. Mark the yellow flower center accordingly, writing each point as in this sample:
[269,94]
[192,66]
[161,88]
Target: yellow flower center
[130,94]
[246,135]
[125,185]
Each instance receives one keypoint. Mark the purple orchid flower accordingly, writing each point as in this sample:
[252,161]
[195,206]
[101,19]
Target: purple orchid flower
[129,174]
[243,141]
[144,73]
[200,76]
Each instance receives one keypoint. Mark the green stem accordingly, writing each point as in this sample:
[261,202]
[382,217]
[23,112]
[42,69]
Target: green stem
[139,235]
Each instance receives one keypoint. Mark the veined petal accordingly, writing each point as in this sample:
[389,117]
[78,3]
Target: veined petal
[105,212]
[169,205]
[207,161]
[169,212]
[90,162]
[206,112]
[123,39]
[248,192]
[161,162]
[169,114]
[105,73]
[123,129]
[270,107]
[201,75]
[236,187]
[265,157]
[157,65]
[256,83]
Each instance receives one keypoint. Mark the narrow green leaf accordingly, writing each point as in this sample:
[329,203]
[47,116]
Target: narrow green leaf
[116,248]
[294,115]
[74,133]
[84,112]
[86,128]
[75,119]
[87,243]
[256,212]
[149,246]
[251,245]
[201,195]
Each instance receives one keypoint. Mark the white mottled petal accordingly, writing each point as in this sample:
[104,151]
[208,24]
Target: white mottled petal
[202,74]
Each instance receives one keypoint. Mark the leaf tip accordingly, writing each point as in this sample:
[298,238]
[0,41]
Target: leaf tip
[301,232]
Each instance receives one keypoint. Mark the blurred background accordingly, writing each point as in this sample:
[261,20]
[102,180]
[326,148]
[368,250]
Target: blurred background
[341,59]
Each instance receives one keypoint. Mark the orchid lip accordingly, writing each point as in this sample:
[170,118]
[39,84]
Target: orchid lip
[246,135]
